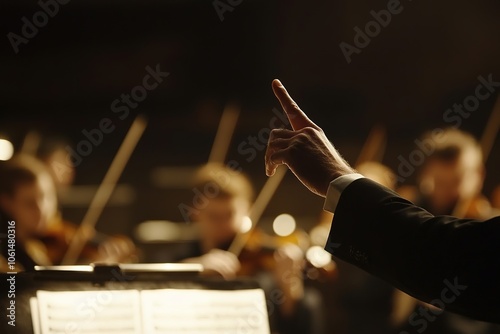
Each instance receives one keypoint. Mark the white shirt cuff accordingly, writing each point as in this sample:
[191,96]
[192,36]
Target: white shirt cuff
[336,188]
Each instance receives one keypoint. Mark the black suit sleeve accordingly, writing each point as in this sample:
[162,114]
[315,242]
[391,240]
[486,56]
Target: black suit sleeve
[443,260]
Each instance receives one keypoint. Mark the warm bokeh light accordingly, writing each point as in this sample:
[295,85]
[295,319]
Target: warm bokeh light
[157,231]
[6,149]
[246,225]
[319,234]
[284,225]
[318,257]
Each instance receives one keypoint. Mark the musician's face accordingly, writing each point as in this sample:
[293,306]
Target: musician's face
[222,218]
[31,206]
[445,183]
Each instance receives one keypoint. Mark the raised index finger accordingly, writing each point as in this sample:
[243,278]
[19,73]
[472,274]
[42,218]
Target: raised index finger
[298,119]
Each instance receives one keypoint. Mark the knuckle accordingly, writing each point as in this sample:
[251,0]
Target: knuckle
[302,136]
[275,144]
[312,131]
[274,132]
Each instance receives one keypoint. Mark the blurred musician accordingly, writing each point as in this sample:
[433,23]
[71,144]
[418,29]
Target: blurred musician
[228,197]
[52,152]
[27,197]
[452,176]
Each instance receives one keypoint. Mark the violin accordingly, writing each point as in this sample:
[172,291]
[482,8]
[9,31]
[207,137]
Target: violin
[97,248]
[478,208]
[263,252]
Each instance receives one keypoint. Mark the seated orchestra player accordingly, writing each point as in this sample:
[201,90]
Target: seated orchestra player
[52,151]
[446,261]
[451,180]
[294,309]
[28,197]
[452,175]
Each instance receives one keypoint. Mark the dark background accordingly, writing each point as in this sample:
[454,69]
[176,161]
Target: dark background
[64,80]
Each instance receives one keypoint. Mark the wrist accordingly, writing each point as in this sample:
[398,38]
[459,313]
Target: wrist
[335,174]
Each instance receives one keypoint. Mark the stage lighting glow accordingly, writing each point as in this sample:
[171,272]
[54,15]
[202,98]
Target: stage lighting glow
[318,257]
[157,231]
[6,149]
[284,225]
[246,225]
[319,234]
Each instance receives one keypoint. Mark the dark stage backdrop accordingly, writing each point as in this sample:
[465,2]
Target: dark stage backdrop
[68,71]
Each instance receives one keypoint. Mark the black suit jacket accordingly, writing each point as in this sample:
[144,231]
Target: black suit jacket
[443,260]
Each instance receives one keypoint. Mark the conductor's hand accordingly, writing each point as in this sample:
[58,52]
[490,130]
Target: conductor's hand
[305,149]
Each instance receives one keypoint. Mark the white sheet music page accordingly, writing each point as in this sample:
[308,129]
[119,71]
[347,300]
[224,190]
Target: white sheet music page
[35,318]
[99,312]
[192,311]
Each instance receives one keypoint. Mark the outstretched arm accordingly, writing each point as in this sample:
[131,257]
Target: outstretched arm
[429,257]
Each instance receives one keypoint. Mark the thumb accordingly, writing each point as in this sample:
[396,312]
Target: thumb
[298,119]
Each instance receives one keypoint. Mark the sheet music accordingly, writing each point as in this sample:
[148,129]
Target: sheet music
[35,317]
[188,311]
[192,311]
[100,311]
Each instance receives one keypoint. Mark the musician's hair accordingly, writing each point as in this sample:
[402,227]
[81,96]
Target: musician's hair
[216,180]
[50,145]
[20,170]
[452,144]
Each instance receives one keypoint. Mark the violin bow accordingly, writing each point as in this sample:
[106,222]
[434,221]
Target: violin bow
[224,134]
[491,130]
[257,209]
[218,154]
[373,150]
[105,189]
[374,147]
